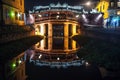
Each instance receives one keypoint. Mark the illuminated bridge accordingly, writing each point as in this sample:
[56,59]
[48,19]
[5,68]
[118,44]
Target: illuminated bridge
[57,23]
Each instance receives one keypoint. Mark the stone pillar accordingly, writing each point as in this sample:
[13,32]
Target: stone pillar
[74,29]
[42,32]
[73,44]
[74,32]
[50,36]
[66,36]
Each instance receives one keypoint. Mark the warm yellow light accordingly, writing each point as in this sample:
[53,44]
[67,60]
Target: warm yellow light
[103,7]
[18,14]
[37,32]
[42,44]
[19,61]
[74,29]
[40,15]
[118,12]
[42,30]
[77,16]
[57,16]
[88,3]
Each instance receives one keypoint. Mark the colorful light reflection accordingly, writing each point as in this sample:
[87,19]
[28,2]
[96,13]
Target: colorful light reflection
[113,22]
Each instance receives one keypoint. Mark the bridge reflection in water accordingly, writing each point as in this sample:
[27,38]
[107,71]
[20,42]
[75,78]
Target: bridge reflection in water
[58,56]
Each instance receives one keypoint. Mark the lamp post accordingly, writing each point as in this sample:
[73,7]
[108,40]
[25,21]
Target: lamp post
[88,3]
[88,6]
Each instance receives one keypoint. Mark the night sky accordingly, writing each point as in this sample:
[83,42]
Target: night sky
[30,3]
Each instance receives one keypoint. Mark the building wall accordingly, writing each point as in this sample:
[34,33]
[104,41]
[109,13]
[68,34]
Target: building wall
[18,4]
[114,7]
[13,12]
[103,7]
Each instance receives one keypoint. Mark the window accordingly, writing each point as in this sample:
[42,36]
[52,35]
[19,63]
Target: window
[7,14]
[20,2]
[21,17]
[112,4]
[118,4]
[16,15]
[58,30]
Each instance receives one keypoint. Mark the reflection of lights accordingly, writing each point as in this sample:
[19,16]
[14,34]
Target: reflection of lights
[40,15]
[40,56]
[58,58]
[57,16]
[87,64]
[13,65]
[37,31]
[58,12]
[31,56]
[77,57]
[42,30]
[42,44]
[31,19]
[84,17]
[98,17]
[19,61]
[77,16]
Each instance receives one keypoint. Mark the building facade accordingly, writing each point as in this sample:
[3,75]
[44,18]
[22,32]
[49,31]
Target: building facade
[12,12]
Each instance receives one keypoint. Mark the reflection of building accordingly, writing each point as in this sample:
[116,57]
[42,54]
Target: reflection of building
[58,25]
[92,20]
[12,12]
[12,68]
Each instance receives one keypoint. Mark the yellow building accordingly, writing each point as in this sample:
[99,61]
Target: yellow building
[12,12]
[57,26]
[12,66]
[103,7]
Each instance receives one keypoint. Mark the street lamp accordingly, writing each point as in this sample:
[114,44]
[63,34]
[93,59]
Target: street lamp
[88,3]
[88,6]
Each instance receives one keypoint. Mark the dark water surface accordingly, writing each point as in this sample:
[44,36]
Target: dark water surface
[71,73]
